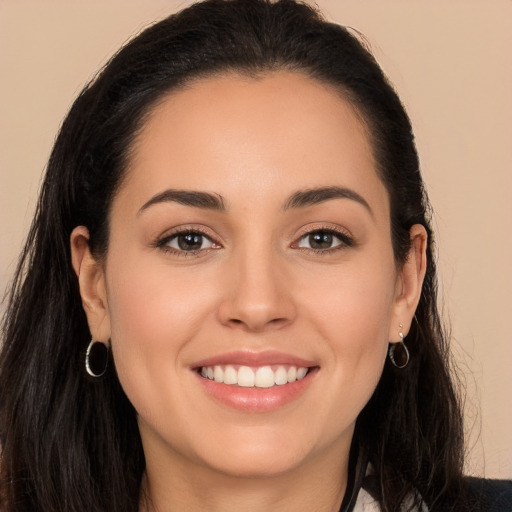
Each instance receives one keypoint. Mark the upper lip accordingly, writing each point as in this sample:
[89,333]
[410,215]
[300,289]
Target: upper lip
[248,358]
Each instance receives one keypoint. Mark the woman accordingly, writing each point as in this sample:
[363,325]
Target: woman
[228,299]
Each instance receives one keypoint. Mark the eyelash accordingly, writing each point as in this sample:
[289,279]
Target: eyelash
[163,242]
[344,239]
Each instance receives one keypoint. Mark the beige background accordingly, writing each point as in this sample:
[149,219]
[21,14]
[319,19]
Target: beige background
[450,61]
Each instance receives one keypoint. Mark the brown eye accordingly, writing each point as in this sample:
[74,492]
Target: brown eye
[189,241]
[323,239]
[320,240]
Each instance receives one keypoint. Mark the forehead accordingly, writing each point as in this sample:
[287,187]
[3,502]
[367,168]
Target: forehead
[233,134]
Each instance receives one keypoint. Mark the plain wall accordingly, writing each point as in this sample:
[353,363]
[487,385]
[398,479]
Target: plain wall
[450,62]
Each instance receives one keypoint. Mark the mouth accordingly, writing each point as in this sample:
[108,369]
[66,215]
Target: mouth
[254,377]
[255,382]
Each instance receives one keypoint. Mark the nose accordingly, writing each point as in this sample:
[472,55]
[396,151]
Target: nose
[256,294]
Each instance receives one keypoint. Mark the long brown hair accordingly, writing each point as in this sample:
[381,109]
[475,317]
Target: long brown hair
[72,444]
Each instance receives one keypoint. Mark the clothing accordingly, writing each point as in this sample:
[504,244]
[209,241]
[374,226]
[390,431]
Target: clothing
[361,492]
[478,494]
[486,495]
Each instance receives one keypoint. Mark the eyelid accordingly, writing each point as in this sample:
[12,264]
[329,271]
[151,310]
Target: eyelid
[173,242]
[345,237]
[162,240]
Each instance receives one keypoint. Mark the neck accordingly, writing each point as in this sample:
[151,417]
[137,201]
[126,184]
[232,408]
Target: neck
[318,484]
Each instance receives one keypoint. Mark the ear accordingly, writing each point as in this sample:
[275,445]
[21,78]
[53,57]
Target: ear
[91,280]
[409,284]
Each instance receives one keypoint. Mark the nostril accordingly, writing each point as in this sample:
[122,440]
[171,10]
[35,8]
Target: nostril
[277,321]
[258,324]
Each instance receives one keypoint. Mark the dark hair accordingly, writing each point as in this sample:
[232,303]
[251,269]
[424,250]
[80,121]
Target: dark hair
[72,444]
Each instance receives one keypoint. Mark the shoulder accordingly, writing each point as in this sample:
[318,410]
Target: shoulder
[489,495]
[478,495]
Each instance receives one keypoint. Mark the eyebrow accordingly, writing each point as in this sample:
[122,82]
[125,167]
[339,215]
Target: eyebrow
[300,199]
[193,198]
[312,196]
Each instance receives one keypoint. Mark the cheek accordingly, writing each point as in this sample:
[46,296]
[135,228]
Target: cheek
[352,313]
[148,300]
[153,316]
[357,351]
[354,307]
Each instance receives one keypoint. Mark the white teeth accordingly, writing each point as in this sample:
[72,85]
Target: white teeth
[281,376]
[292,374]
[247,377]
[264,377]
[301,373]
[218,374]
[230,375]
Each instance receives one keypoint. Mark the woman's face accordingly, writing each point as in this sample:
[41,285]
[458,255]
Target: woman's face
[250,244]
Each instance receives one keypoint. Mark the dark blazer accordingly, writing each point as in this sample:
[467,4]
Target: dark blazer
[486,495]
[476,494]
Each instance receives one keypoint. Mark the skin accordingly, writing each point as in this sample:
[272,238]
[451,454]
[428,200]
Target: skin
[254,285]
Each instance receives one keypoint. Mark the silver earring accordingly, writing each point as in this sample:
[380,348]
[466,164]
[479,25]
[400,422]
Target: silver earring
[398,353]
[96,358]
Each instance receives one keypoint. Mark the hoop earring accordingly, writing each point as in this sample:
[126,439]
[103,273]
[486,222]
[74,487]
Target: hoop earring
[96,358]
[399,359]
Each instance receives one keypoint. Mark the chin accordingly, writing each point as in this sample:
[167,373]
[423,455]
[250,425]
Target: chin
[262,453]
[256,467]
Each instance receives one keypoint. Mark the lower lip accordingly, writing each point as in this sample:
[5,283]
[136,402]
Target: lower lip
[257,399]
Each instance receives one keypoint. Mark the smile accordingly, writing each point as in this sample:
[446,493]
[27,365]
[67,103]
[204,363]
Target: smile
[250,377]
